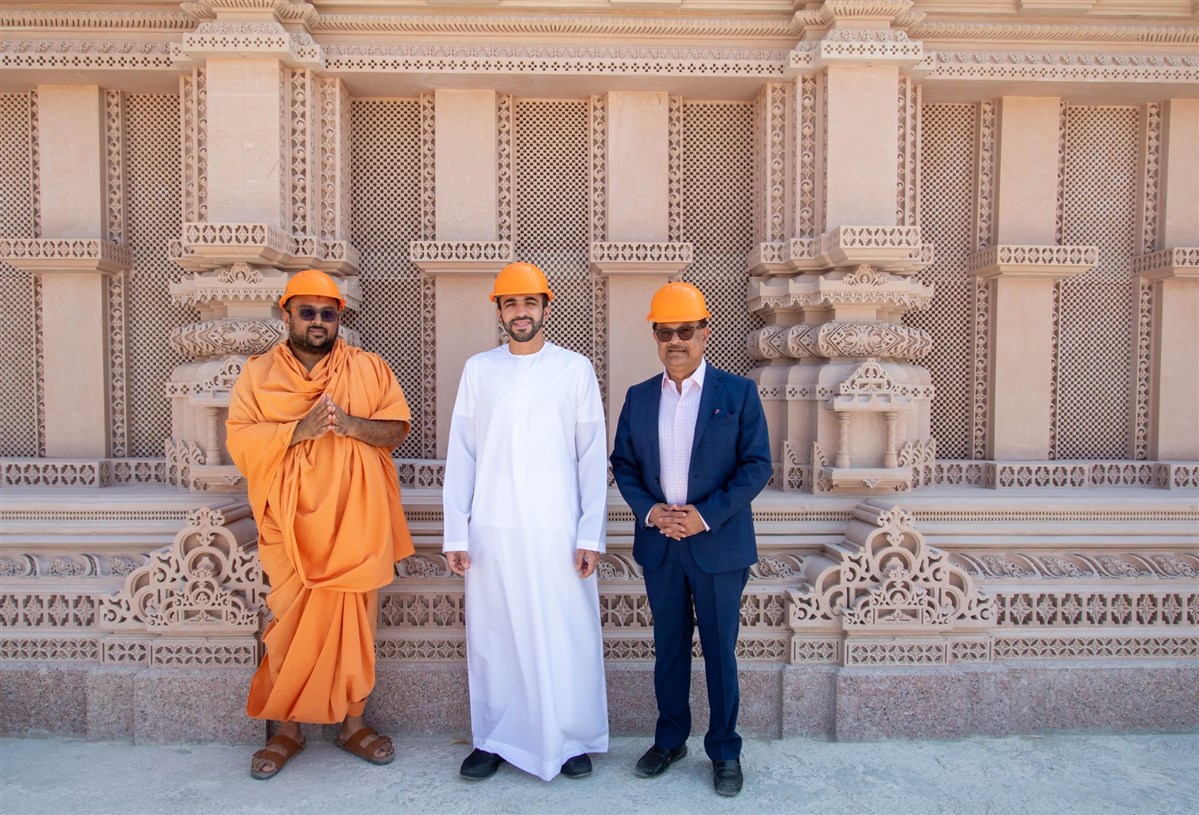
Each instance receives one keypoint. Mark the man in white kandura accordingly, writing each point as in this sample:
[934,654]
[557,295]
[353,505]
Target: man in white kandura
[525,507]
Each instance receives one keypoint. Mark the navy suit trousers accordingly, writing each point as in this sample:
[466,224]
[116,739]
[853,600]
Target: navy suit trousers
[680,592]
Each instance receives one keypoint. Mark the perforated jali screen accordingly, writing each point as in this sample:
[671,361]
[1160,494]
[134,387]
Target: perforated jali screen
[385,216]
[550,163]
[153,200]
[718,219]
[1095,332]
[946,210]
[18,409]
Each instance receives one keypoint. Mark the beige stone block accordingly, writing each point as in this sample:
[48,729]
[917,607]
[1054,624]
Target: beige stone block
[1022,377]
[632,349]
[1174,424]
[638,161]
[76,374]
[245,105]
[863,122]
[71,160]
[1180,174]
[1026,199]
[467,323]
[467,202]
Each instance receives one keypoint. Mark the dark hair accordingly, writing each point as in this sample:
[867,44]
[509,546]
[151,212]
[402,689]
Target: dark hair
[545,300]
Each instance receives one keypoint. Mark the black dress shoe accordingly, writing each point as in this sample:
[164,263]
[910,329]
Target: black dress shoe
[577,767]
[480,764]
[657,760]
[726,776]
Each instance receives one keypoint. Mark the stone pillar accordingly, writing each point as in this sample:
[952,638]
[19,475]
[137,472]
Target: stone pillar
[1021,269]
[1173,275]
[468,172]
[81,263]
[848,405]
[266,159]
[641,249]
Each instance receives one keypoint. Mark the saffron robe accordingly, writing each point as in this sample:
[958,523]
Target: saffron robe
[526,484]
[330,527]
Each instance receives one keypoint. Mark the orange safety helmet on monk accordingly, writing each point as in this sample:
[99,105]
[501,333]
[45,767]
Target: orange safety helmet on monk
[312,282]
[521,278]
[677,302]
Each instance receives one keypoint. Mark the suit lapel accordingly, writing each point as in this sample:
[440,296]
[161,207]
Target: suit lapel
[709,397]
[647,419]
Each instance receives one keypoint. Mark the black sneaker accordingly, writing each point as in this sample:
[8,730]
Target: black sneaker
[577,767]
[480,764]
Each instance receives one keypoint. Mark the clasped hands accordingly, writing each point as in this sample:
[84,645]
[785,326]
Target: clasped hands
[676,521]
[325,417]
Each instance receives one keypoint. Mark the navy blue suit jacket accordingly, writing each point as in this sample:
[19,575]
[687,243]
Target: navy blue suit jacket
[730,464]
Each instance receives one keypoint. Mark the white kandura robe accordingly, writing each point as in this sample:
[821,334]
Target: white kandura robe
[525,485]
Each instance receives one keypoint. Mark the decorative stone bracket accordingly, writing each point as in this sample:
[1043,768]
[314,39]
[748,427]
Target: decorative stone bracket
[1045,262]
[66,255]
[636,257]
[199,601]
[884,596]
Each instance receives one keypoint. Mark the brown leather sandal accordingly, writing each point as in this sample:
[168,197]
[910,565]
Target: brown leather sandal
[286,750]
[362,745]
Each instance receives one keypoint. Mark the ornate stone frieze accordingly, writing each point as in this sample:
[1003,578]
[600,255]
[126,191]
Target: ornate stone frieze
[227,336]
[82,55]
[65,255]
[1060,67]
[1067,565]
[812,291]
[1053,646]
[894,598]
[221,38]
[1014,33]
[554,60]
[551,24]
[837,339]
[640,257]
[1052,262]
[460,256]
[204,583]
[1166,263]
[896,250]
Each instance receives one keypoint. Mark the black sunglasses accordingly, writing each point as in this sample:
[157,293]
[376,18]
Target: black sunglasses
[308,314]
[684,333]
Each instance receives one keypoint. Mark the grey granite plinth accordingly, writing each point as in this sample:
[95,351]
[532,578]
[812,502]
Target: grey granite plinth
[922,702]
[809,702]
[1106,696]
[194,705]
[40,699]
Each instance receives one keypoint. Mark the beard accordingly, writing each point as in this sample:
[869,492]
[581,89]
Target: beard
[313,339]
[524,334]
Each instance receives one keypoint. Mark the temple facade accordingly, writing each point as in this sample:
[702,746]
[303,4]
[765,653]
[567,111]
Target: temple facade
[956,244]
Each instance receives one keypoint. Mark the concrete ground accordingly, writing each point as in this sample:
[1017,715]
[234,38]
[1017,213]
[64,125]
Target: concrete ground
[1058,774]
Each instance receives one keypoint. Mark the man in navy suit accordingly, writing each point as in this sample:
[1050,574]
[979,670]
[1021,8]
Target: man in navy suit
[691,453]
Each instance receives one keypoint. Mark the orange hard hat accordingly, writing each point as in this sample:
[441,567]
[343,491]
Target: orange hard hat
[312,282]
[521,278]
[677,302]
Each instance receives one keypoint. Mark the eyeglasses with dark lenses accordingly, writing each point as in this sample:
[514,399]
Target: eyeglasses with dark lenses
[308,314]
[684,333]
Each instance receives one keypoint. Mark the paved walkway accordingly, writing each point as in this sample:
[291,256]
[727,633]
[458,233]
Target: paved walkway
[1057,775]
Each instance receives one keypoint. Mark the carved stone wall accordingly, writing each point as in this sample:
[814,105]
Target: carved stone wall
[874,340]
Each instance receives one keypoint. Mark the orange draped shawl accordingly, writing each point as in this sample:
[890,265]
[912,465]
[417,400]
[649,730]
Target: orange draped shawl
[330,527]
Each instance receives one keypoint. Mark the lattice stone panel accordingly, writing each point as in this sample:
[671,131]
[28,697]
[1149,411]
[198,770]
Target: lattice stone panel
[718,219]
[946,209]
[152,153]
[1095,331]
[385,216]
[18,410]
[552,206]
